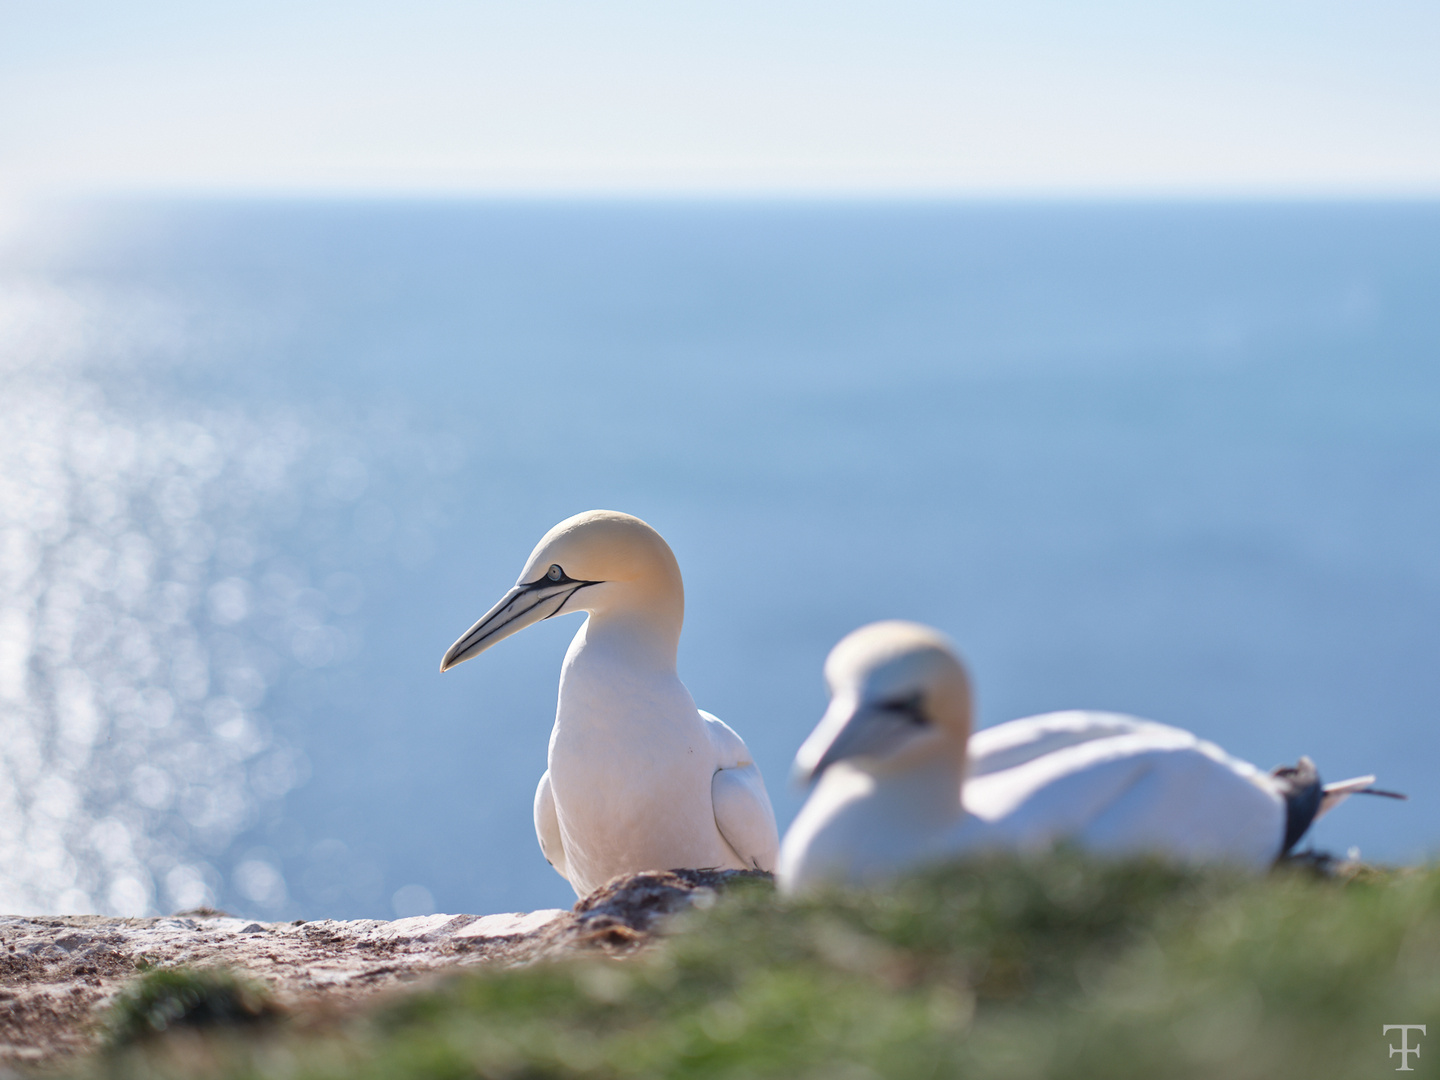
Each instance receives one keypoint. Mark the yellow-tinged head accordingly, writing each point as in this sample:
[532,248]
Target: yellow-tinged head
[899,696]
[601,561]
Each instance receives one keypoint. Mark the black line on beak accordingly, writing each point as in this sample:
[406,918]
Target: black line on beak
[485,630]
[568,595]
[546,581]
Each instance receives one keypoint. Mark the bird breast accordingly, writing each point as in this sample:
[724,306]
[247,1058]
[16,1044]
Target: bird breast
[630,768]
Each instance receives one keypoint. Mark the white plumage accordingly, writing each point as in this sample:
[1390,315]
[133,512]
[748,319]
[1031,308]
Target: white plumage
[900,781]
[638,777]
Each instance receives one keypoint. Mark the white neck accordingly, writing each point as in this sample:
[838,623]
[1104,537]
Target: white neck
[927,793]
[634,637]
[619,674]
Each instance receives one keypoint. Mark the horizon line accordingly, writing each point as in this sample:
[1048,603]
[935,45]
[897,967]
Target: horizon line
[601,193]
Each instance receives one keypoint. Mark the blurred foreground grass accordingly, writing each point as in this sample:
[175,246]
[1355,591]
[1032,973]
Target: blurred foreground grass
[1057,967]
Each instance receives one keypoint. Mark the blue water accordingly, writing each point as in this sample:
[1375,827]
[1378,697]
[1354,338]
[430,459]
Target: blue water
[1176,460]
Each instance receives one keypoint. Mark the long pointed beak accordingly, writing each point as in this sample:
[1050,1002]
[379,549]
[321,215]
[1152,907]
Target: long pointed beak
[517,609]
[849,729]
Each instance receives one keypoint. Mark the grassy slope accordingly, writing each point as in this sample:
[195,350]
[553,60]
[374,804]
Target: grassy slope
[1056,968]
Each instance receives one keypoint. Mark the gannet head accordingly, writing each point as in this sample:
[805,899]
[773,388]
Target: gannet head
[600,561]
[898,696]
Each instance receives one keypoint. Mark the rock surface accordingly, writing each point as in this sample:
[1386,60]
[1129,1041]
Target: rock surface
[57,972]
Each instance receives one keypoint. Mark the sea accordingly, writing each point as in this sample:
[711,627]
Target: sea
[263,460]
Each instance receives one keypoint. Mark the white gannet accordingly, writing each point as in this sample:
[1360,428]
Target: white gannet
[892,789]
[638,778]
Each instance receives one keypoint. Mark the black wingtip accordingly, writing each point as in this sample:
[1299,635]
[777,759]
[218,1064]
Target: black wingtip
[1303,793]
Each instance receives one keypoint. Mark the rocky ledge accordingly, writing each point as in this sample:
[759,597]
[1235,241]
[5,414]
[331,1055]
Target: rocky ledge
[58,972]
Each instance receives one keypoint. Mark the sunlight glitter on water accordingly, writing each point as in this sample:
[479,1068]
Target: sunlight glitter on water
[1173,459]
[142,624]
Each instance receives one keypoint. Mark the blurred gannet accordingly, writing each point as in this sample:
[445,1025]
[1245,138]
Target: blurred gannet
[892,789]
[638,778]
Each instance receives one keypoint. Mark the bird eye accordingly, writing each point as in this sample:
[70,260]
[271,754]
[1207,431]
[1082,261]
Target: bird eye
[910,708]
[555,573]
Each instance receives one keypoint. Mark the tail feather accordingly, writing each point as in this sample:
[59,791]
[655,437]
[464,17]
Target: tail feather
[1332,795]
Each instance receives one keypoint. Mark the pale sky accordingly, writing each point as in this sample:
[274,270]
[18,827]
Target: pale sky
[450,96]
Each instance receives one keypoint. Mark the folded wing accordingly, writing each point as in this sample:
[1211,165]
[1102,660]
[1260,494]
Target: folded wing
[547,826]
[1151,788]
[742,807]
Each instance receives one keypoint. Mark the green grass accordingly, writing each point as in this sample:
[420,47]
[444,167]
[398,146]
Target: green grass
[1046,968]
[162,999]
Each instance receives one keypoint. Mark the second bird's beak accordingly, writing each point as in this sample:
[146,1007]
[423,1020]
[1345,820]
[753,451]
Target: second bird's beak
[520,607]
[849,729]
